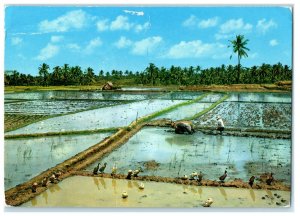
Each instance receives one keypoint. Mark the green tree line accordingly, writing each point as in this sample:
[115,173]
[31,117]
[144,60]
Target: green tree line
[153,75]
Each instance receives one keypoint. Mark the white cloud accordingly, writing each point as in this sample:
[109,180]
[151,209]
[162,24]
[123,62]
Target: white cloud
[48,52]
[73,46]
[263,25]
[137,13]
[55,39]
[273,42]
[195,49]
[146,45]
[76,19]
[123,42]
[120,23]
[193,21]
[235,25]
[145,26]
[208,23]
[103,25]
[16,41]
[94,43]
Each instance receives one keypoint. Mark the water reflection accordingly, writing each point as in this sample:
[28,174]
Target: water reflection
[223,192]
[101,180]
[96,182]
[45,196]
[33,201]
[252,194]
[114,185]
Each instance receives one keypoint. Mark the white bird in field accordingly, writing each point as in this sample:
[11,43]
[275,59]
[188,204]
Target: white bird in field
[141,186]
[114,170]
[208,202]
[124,194]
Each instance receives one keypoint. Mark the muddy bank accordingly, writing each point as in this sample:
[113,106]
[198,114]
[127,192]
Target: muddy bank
[263,133]
[236,183]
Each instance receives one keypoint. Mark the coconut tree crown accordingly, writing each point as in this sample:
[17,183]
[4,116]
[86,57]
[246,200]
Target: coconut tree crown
[239,46]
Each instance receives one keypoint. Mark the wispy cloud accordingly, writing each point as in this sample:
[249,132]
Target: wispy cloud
[55,39]
[193,21]
[137,13]
[193,49]
[263,25]
[121,23]
[123,42]
[102,25]
[48,52]
[147,45]
[145,26]
[273,42]
[234,25]
[73,46]
[94,43]
[16,41]
[76,19]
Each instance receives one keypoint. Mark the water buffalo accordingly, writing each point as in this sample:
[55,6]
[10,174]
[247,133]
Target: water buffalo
[183,127]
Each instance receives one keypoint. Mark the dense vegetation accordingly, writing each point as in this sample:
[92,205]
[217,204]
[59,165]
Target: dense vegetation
[153,75]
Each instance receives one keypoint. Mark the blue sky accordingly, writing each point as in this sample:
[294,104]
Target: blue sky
[128,38]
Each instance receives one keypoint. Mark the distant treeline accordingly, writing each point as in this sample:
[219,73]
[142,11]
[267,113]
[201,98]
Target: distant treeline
[152,75]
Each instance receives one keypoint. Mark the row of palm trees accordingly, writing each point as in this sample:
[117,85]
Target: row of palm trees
[152,75]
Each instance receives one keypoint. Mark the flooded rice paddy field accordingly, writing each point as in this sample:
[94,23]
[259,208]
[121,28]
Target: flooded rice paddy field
[26,158]
[179,155]
[250,115]
[175,155]
[54,107]
[104,192]
[107,117]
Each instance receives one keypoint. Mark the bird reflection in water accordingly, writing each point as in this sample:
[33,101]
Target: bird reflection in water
[96,182]
[45,196]
[223,192]
[114,185]
[200,192]
[252,194]
[129,184]
[101,180]
[33,201]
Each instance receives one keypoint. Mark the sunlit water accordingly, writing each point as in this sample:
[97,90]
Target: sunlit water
[81,191]
[180,155]
[26,158]
[116,116]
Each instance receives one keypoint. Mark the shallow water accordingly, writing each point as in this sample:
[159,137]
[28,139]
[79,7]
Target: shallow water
[180,155]
[102,192]
[90,95]
[261,97]
[185,111]
[52,107]
[250,115]
[116,116]
[26,158]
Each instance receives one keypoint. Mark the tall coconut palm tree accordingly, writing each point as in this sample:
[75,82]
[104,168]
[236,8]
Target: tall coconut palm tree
[239,46]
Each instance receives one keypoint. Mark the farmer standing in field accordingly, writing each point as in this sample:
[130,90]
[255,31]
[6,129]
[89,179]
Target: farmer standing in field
[220,124]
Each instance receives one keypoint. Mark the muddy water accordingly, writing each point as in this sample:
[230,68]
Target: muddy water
[91,95]
[180,155]
[185,111]
[101,192]
[261,97]
[25,158]
[116,116]
[250,115]
[52,107]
